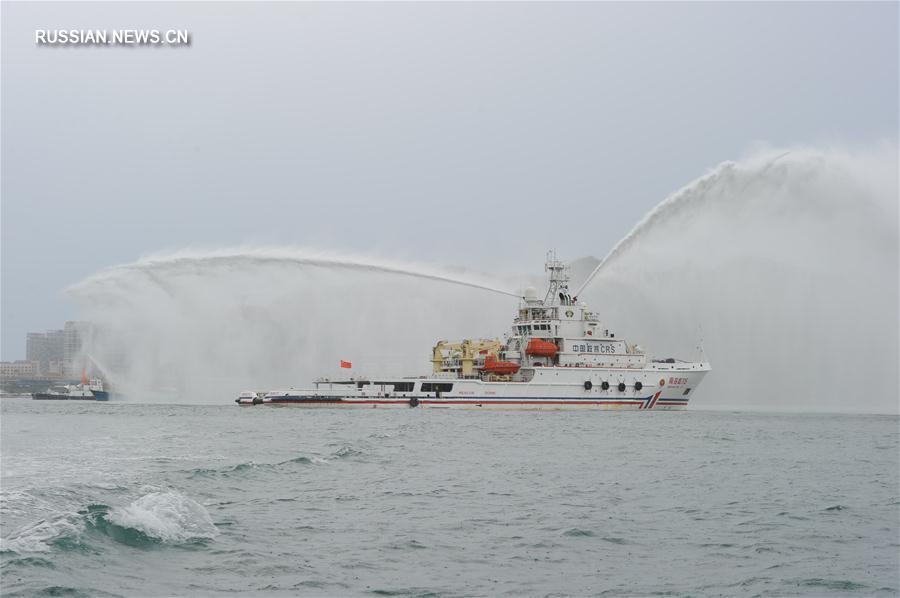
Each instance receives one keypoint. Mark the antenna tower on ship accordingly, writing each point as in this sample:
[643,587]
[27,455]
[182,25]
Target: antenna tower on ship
[558,292]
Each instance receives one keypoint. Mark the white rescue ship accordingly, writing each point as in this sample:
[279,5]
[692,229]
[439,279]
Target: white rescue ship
[556,356]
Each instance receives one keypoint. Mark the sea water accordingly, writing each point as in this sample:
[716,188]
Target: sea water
[157,500]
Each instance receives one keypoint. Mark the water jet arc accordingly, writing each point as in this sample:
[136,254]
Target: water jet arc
[230,258]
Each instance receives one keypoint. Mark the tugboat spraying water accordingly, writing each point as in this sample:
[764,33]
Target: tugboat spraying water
[86,391]
[557,355]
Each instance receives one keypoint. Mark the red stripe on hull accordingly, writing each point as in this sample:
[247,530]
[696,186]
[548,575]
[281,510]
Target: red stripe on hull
[639,404]
[496,402]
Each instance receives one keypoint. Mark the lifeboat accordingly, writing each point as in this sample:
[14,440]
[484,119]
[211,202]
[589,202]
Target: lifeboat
[492,366]
[541,348]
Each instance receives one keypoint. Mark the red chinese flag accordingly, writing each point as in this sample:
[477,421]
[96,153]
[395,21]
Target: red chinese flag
[346,364]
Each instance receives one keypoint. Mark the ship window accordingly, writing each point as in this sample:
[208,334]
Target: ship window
[400,386]
[437,387]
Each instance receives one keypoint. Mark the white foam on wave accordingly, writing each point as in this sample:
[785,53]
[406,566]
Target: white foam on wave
[37,536]
[166,516]
[48,522]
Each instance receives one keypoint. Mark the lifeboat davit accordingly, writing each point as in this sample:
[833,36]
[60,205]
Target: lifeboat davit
[492,366]
[541,348]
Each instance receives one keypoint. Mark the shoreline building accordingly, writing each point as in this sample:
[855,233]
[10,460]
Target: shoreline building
[44,348]
[58,353]
[20,370]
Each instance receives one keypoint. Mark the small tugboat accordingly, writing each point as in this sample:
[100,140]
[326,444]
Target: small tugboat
[85,391]
[557,355]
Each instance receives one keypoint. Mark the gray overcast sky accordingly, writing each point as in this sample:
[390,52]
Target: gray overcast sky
[474,134]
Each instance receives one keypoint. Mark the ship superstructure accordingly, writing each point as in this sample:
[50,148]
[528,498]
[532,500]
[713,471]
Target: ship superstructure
[557,355]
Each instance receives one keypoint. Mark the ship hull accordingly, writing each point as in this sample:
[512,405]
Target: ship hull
[667,389]
[97,395]
[548,403]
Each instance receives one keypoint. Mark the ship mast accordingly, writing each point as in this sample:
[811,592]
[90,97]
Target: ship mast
[558,291]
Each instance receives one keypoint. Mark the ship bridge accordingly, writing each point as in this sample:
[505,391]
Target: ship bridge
[554,331]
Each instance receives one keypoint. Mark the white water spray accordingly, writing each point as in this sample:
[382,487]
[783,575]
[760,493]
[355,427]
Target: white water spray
[789,261]
[199,325]
[160,264]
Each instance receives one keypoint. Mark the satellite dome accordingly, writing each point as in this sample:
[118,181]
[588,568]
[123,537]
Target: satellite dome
[530,293]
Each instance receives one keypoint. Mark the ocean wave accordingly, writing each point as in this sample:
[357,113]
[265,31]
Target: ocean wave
[843,585]
[39,536]
[28,561]
[251,466]
[346,452]
[577,532]
[66,591]
[157,517]
[164,516]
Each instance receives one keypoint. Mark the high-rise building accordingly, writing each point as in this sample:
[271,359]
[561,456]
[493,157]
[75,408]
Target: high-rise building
[36,346]
[75,336]
[64,348]
[45,347]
